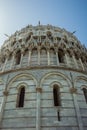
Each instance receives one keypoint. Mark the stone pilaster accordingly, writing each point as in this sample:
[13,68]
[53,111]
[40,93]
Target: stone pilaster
[73,91]
[80,124]
[38,111]
[4,98]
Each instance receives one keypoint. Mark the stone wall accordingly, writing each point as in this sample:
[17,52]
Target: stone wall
[39,111]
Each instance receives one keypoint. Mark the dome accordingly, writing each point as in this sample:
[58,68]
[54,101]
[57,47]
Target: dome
[43,80]
[47,39]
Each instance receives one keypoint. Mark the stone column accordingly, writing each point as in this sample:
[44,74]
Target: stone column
[38,56]
[75,61]
[4,64]
[5,94]
[81,64]
[12,61]
[67,60]
[48,55]
[22,53]
[4,98]
[38,111]
[29,58]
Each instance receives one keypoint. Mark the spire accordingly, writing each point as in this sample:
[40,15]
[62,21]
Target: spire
[39,23]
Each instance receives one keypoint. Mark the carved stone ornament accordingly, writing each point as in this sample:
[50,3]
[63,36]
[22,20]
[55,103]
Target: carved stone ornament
[39,89]
[73,90]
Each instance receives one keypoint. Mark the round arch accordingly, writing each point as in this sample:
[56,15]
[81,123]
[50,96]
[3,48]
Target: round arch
[79,78]
[58,74]
[56,83]
[83,86]
[21,85]
[19,76]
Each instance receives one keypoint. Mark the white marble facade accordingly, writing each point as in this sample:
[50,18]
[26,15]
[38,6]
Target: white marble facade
[43,80]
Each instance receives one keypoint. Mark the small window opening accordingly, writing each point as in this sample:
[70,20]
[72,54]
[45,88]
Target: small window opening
[26,52]
[76,56]
[18,58]
[10,56]
[61,56]
[85,93]
[58,114]
[56,96]
[72,43]
[21,97]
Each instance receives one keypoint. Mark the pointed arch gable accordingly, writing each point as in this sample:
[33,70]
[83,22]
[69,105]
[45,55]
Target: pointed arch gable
[29,76]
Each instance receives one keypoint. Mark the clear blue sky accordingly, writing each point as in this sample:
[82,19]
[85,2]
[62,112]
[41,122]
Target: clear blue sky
[68,14]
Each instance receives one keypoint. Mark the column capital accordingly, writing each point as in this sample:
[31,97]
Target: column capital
[56,49]
[73,90]
[39,89]
[5,93]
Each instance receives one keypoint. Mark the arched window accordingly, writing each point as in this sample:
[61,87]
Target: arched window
[21,94]
[61,56]
[56,96]
[85,93]
[25,57]
[26,53]
[10,57]
[34,56]
[18,57]
[43,56]
[53,60]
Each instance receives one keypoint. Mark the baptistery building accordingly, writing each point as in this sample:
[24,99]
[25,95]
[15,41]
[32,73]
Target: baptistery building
[43,80]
